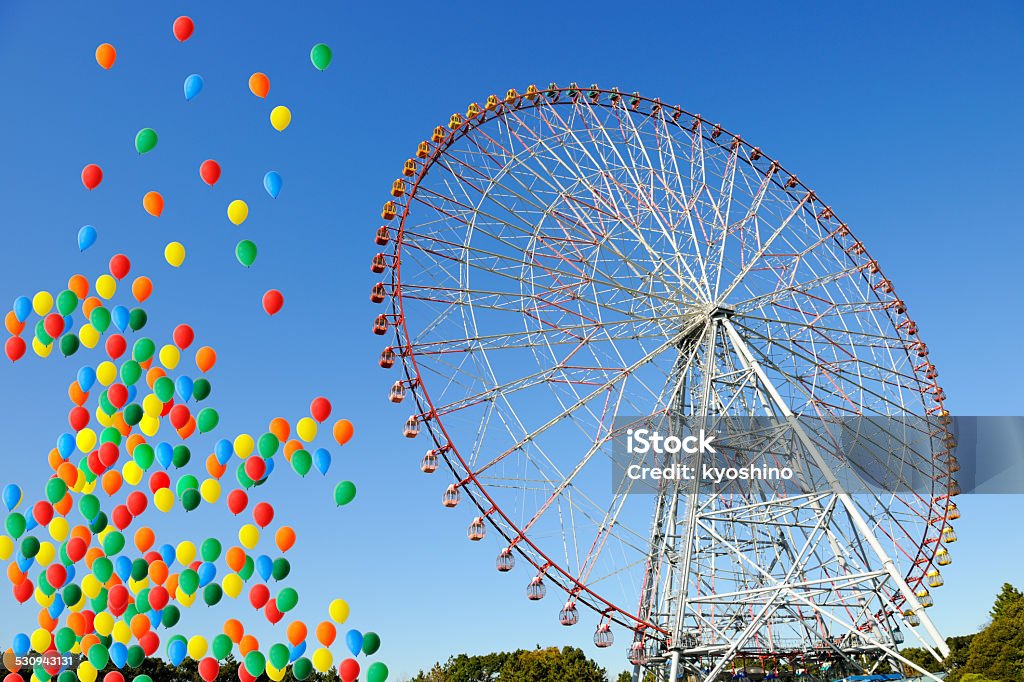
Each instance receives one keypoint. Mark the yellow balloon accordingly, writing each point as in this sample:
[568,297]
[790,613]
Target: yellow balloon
[58,530]
[163,499]
[132,473]
[46,554]
[274,674]
[322,660]
[280,118]
[232,585]
[137,586]
[43,599]
[149,425]
[185,553]
[40,640]
[42,303]
[197,647]
[152,406]
[244,445]
[306,428]
[106,373]
[238,211]
[104,419]
[89,487]
[210,490]
[104,623]
[174,254]
[122,632]
[6,547]
[170,356]
[248,535]
[338,610]
[86,440]
[91,586]
[41,350]
[88,336]
[82,601]
[106,286]
[185,600]
[86,672]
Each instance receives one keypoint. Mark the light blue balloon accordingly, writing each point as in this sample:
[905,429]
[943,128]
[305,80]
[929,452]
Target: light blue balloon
[164,454]
[12,496]
[66,445]
[30,522]
[207,572]
[354,641]
[223,451]
[22,308]
[322,460]
[133,393]
[21,644]
[270,468]
[86,378]
[193,86]
[176,651]
[57,607]
[295,652]
[155,618]
[86,237]
[71,574]
[264,567]
[120,317]
[167,553]
[24,562]
[69,323]
[272,183]
[183,387]
[123,567]
[119,654]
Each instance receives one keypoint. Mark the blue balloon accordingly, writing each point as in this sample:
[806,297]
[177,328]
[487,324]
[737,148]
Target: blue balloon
[21,644]
[119,654]
[120,317]
[71,574]
[123,568]
[86,378]
[57,607]
[11,496]
[354,641]
[22,308]
[69,323]
[164,454]
[322,460]
[133,393]
[167,553]
[30,522]
[270,468]
[264,567]
[154,617]
[207,572]
[66,445]
[24,562]
[86,237]
[183,387]
[272,183]
[294,652]
[223,451]
[176,650]
[193,86]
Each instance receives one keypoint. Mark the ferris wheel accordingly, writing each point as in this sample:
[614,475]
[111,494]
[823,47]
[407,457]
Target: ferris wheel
[562,265]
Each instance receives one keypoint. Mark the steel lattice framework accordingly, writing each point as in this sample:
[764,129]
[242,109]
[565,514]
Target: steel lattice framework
[565,263]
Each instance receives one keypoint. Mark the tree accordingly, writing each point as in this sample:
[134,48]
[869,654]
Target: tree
[1007,596]
[997,652]
[540,665]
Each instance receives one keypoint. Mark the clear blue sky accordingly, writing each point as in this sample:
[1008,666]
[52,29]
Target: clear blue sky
[903,116]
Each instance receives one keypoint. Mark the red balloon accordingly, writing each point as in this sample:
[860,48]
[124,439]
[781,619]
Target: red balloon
[95,463]
[255,468]
[180,416]
[42,512]
[89,620]
[56,574]
[15,677]
[117,394]
[117,599]
[168,406]
[137,502]
[51,660]
[158,480]
[149,642]
[120,266]
[158,597]
[183,27]
[78,418]
[116,346]
[209,669]
[259,595]
[272,613]
[75,549]
[244,676]
[15,348]
[113,676]
[237,501]
[183,336]
[92,176]
[121,517]
[273,301]
[263,514]
[54,324]
[209,171]
[348,670]
[108,454]
[23,591]
[320,409]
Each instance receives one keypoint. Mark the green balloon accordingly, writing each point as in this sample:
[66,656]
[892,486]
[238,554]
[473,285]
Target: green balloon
[100,318]
[89,506]
[15,525]
[110,435]
[145,140]
[130,613]
[163,388]
[105,404]
[248,566]
[212,594]
[142,600]
[56,488]
[44,585]
[98,523]
[278,656]
[69,344]
[40,673]
[255,663]
[186,482]
[190,500]
[41,334]
[30,547]
[188,581]
[287,599]
[245,252]
[170,616]
[207,420]
[143,350]
[102,568]
[378,672]
[144,455]
[180,458]
[64,639]
[221,646]
[67,301]
[99,602]
[201,390]
[302,668]
[267,445]
[137,319]
[72,594]
[280,569]
[140,568]
[320,55]
[139,678]
[99,656]
[133,415]
[302,462]
[371,642]
[135,658]
[344,493]
[113,543]
[68,676]
[243,478]
[210,549]
[131,371]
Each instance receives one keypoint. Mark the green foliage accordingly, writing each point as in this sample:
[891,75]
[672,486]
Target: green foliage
[540,665]
[1007,596]
[996,654]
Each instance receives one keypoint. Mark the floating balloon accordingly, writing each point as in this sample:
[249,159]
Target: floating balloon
[272,183]
[153,202]
[92,176]
[343,431]
[354,641]
[209,171]
[377,672]
[183,27]
[338,610]
[193,86]
[273,301]
[320,409]
[259,84]
[238,211]
[86,237]
[348,670]
[344,492]
[280,118]
[321,56]
[174,253]
[245,252]
[145,140]
[106,55]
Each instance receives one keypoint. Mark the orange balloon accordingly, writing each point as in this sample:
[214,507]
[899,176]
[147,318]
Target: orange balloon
[90,304]
[88,641]
[45,622]
[259,84]
[234,630]
[91,555]
[215,468]
[106,55]
[54,459]
[142,288]
[68,473]
[154,374]
[326,632]
[206,358]
[13,326]
[133,442]
[171,584]
[118,422]
[247,643]
[153,202]
[280,428]
[79,285]
[15,575]
[158,571]
[63,505]
[285,538]
[76,621]
[83,533]
[290,447]
[343,431]
[235,559]
[147,364]
[139,625]
[144,538]
[297,632]
[188,429]
[112,482]
[77,395]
